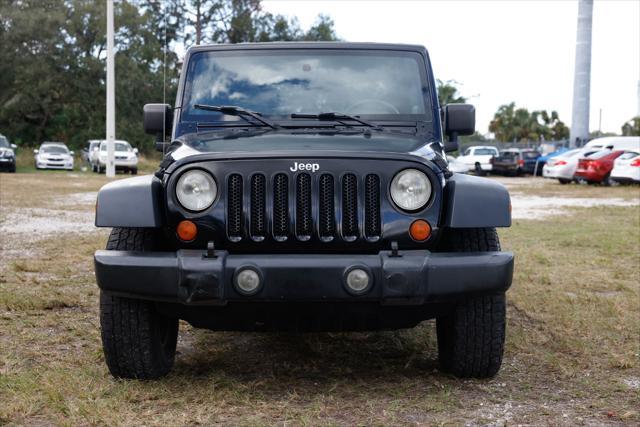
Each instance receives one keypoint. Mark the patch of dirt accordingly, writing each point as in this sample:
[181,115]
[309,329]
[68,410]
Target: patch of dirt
[42,222]
[537,207]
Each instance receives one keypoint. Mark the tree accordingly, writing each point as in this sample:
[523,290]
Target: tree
[52,59]
[240,21]
[632,127]
[518,124]
[448,93]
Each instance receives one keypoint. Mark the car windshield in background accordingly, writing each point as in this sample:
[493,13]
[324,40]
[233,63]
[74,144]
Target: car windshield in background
[54,149]
[600,154]
[119,146]
[383,85]
[484,152]
[628,155]
[4,143]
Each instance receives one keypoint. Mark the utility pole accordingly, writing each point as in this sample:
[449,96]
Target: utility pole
[600,123]
[111,98]
[582,75]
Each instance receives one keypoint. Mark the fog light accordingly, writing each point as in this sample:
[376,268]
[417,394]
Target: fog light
[358,280]
[247,281]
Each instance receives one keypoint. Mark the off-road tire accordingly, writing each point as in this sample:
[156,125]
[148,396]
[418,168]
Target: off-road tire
[138,342]
[471,336]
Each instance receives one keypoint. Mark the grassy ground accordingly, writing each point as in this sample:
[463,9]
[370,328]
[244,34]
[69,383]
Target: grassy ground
[572,354]
[25,163]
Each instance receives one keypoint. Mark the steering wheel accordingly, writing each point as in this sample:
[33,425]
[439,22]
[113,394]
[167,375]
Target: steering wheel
[389,108]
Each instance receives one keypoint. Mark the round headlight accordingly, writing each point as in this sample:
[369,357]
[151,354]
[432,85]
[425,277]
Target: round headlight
[196,190]
[410,189]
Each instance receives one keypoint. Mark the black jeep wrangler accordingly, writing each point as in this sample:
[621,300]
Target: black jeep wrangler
[304,188]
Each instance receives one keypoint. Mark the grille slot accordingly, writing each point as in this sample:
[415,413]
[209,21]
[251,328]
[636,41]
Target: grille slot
[327,226]
[234,207]
[280,206]
[258,206]
[372,206]
[349,207]
[304,225]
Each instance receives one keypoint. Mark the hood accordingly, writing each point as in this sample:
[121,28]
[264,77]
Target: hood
[311,141]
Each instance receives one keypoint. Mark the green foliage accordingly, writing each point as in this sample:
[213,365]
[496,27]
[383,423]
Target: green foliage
[52,60]
[448,93]
[632,127]
[518,124]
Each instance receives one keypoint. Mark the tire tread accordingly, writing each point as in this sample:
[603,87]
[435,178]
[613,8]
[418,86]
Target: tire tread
[130,327]
[471,338]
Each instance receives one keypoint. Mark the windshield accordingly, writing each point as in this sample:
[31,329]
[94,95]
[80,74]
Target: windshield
[119,146]
[4,143]
[600,154]
[530,154]
[485,152]
[54,149]
[508,154]
[378,84]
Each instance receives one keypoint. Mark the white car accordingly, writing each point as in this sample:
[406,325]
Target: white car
[53,155]
[626,168]
[456,166]
[564,166]
[125,157]
[478,158]
[626,143]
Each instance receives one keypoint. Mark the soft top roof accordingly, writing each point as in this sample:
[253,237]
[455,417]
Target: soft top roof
[308,45]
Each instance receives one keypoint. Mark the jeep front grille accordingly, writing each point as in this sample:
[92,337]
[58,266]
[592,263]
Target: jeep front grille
[309,210]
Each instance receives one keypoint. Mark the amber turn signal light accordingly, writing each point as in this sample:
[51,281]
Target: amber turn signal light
[420,230]
[186,230]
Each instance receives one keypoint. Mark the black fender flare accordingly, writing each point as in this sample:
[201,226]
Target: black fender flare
[130,202]
[474,202]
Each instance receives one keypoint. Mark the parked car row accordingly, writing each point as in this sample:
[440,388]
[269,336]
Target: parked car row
[602,160]
[56,155]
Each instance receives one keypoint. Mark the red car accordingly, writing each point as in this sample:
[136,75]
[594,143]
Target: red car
[597,167]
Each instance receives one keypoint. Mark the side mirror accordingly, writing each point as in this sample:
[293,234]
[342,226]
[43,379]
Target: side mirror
[72,152]
[158,119]
[459,119]
[135,151]
[35,151]
[14,146]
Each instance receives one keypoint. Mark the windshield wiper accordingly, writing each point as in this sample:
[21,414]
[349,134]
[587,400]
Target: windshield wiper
[232,110]
[338,117]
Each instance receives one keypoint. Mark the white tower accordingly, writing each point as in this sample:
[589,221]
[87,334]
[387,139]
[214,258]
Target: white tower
[582,76]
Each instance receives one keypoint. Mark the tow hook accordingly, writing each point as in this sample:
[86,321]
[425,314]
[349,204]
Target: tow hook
[211,251]
[394,250]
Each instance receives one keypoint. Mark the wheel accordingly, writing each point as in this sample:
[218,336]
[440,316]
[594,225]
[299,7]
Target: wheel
[138,342]
[12,169]
[479,170]
[471,336]
[134,171]
[564,181]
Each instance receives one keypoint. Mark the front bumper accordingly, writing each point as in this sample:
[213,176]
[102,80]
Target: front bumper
[410,278]
[7,163]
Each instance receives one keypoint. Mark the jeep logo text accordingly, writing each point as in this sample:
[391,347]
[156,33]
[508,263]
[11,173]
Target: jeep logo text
[313,167]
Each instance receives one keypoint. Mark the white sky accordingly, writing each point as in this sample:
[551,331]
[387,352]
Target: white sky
[500,51]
